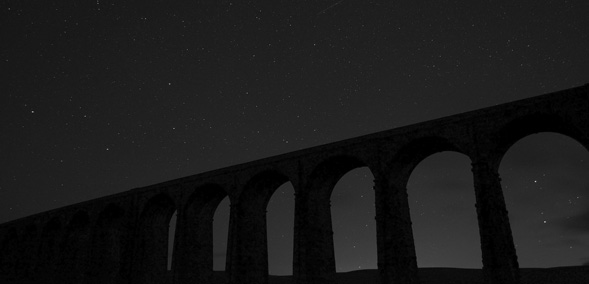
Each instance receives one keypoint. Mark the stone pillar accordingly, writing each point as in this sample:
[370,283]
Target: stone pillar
[500,264]
[248,245]
[106,261]
[193,249]
[151,254]
[314,258]
[397,261]
[48,255]
[128,242]
[9,257]
[75,248]
[30,248]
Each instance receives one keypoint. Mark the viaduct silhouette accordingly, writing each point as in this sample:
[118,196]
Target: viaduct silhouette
[123,238]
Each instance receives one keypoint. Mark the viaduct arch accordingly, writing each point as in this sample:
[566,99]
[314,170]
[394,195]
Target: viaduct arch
[122,238]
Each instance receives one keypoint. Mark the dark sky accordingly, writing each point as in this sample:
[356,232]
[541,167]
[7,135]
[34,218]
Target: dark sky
[103,96]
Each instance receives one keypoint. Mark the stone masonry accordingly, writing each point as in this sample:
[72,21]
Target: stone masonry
[122,238]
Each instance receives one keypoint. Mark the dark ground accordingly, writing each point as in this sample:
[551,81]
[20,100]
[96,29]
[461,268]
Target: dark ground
[557,275]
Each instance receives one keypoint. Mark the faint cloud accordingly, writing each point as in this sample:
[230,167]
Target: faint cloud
[576,224]
[575,243]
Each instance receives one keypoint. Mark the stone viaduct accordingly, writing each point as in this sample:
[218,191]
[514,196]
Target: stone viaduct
[123,238]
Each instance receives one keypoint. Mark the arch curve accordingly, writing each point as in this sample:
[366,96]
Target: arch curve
[545,173]
[411,154]
[158,206]
[193,248]
[328,172]
[248,243]
[258,190]
[529,124]
[205,198]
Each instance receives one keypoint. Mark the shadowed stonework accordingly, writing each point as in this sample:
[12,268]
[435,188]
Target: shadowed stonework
[122,238]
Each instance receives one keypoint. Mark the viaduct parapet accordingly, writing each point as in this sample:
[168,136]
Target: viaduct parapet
[123,238]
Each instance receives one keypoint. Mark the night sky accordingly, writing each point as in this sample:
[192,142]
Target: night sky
[99,97]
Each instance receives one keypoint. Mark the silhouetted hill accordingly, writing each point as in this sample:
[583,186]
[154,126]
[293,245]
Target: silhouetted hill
[556,275]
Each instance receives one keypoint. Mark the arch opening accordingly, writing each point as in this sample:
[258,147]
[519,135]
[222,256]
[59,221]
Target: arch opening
[171,239]
[318,237]
[280,232]
[195,235]
[221,234]
[443,214]
[545,182]
[353,219]
[152,254]
[249,226]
